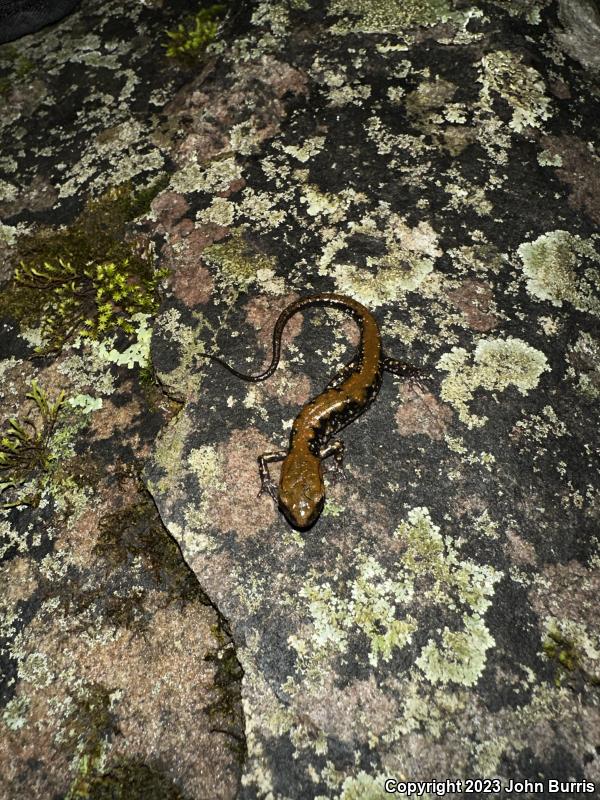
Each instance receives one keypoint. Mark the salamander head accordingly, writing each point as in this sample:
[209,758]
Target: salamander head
[301,489]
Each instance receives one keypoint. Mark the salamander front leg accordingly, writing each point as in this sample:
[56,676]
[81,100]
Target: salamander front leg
[266,482]
[335,449]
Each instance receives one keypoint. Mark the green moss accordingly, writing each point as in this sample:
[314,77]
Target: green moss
[225,712]
[26,455]
[128,780]
[571,648]
[87,279]
[90,725]
[188,42]
[137,534]
[20,67]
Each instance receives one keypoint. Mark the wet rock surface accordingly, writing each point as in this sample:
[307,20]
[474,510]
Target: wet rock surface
[438,162]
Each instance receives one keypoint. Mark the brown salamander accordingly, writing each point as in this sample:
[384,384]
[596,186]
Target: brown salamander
[301,492]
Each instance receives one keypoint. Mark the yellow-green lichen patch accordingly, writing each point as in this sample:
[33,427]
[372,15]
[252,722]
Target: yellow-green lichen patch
[362,787]
[204,462]
[259,207]
[220,212]
[388,16]
[308,149]
[189,340]
[529,9]
[553,265]
[521,86]
[367,604]
[548,159]
[86,280]
[237,263]
[168,452]
[495,365]
[386,284]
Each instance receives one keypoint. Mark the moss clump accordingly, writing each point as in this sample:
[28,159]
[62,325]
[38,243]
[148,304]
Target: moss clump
[20,67]
[129,780]
[91,724]
[569,654]
[136,534]
[225,713]
[190,39]
[87,279]
[25,453]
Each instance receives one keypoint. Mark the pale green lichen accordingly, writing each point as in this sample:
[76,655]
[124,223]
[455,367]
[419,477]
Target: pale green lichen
[496,364]
[309,148]
[460,658]
[216,176]
[376,602]
[220,212]
[260,208]
[584,357]
[386,284]
[554,266]
[547,159]
[538,427]
[86,403]
[15,712]
[168,451]
[137,354]
[529,9]
[368,605]
[408,261]
[182,380]
[519,85]
[205,464]
[429,96]
[388,16]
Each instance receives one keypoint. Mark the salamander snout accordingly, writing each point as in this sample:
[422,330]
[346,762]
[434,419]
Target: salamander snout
[301,491]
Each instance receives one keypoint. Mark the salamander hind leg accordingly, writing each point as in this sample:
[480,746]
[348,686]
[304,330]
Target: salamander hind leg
[267,484]
[335,449]
[400,368]
[404,370]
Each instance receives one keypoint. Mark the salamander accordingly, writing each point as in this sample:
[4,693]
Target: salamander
[301,492]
